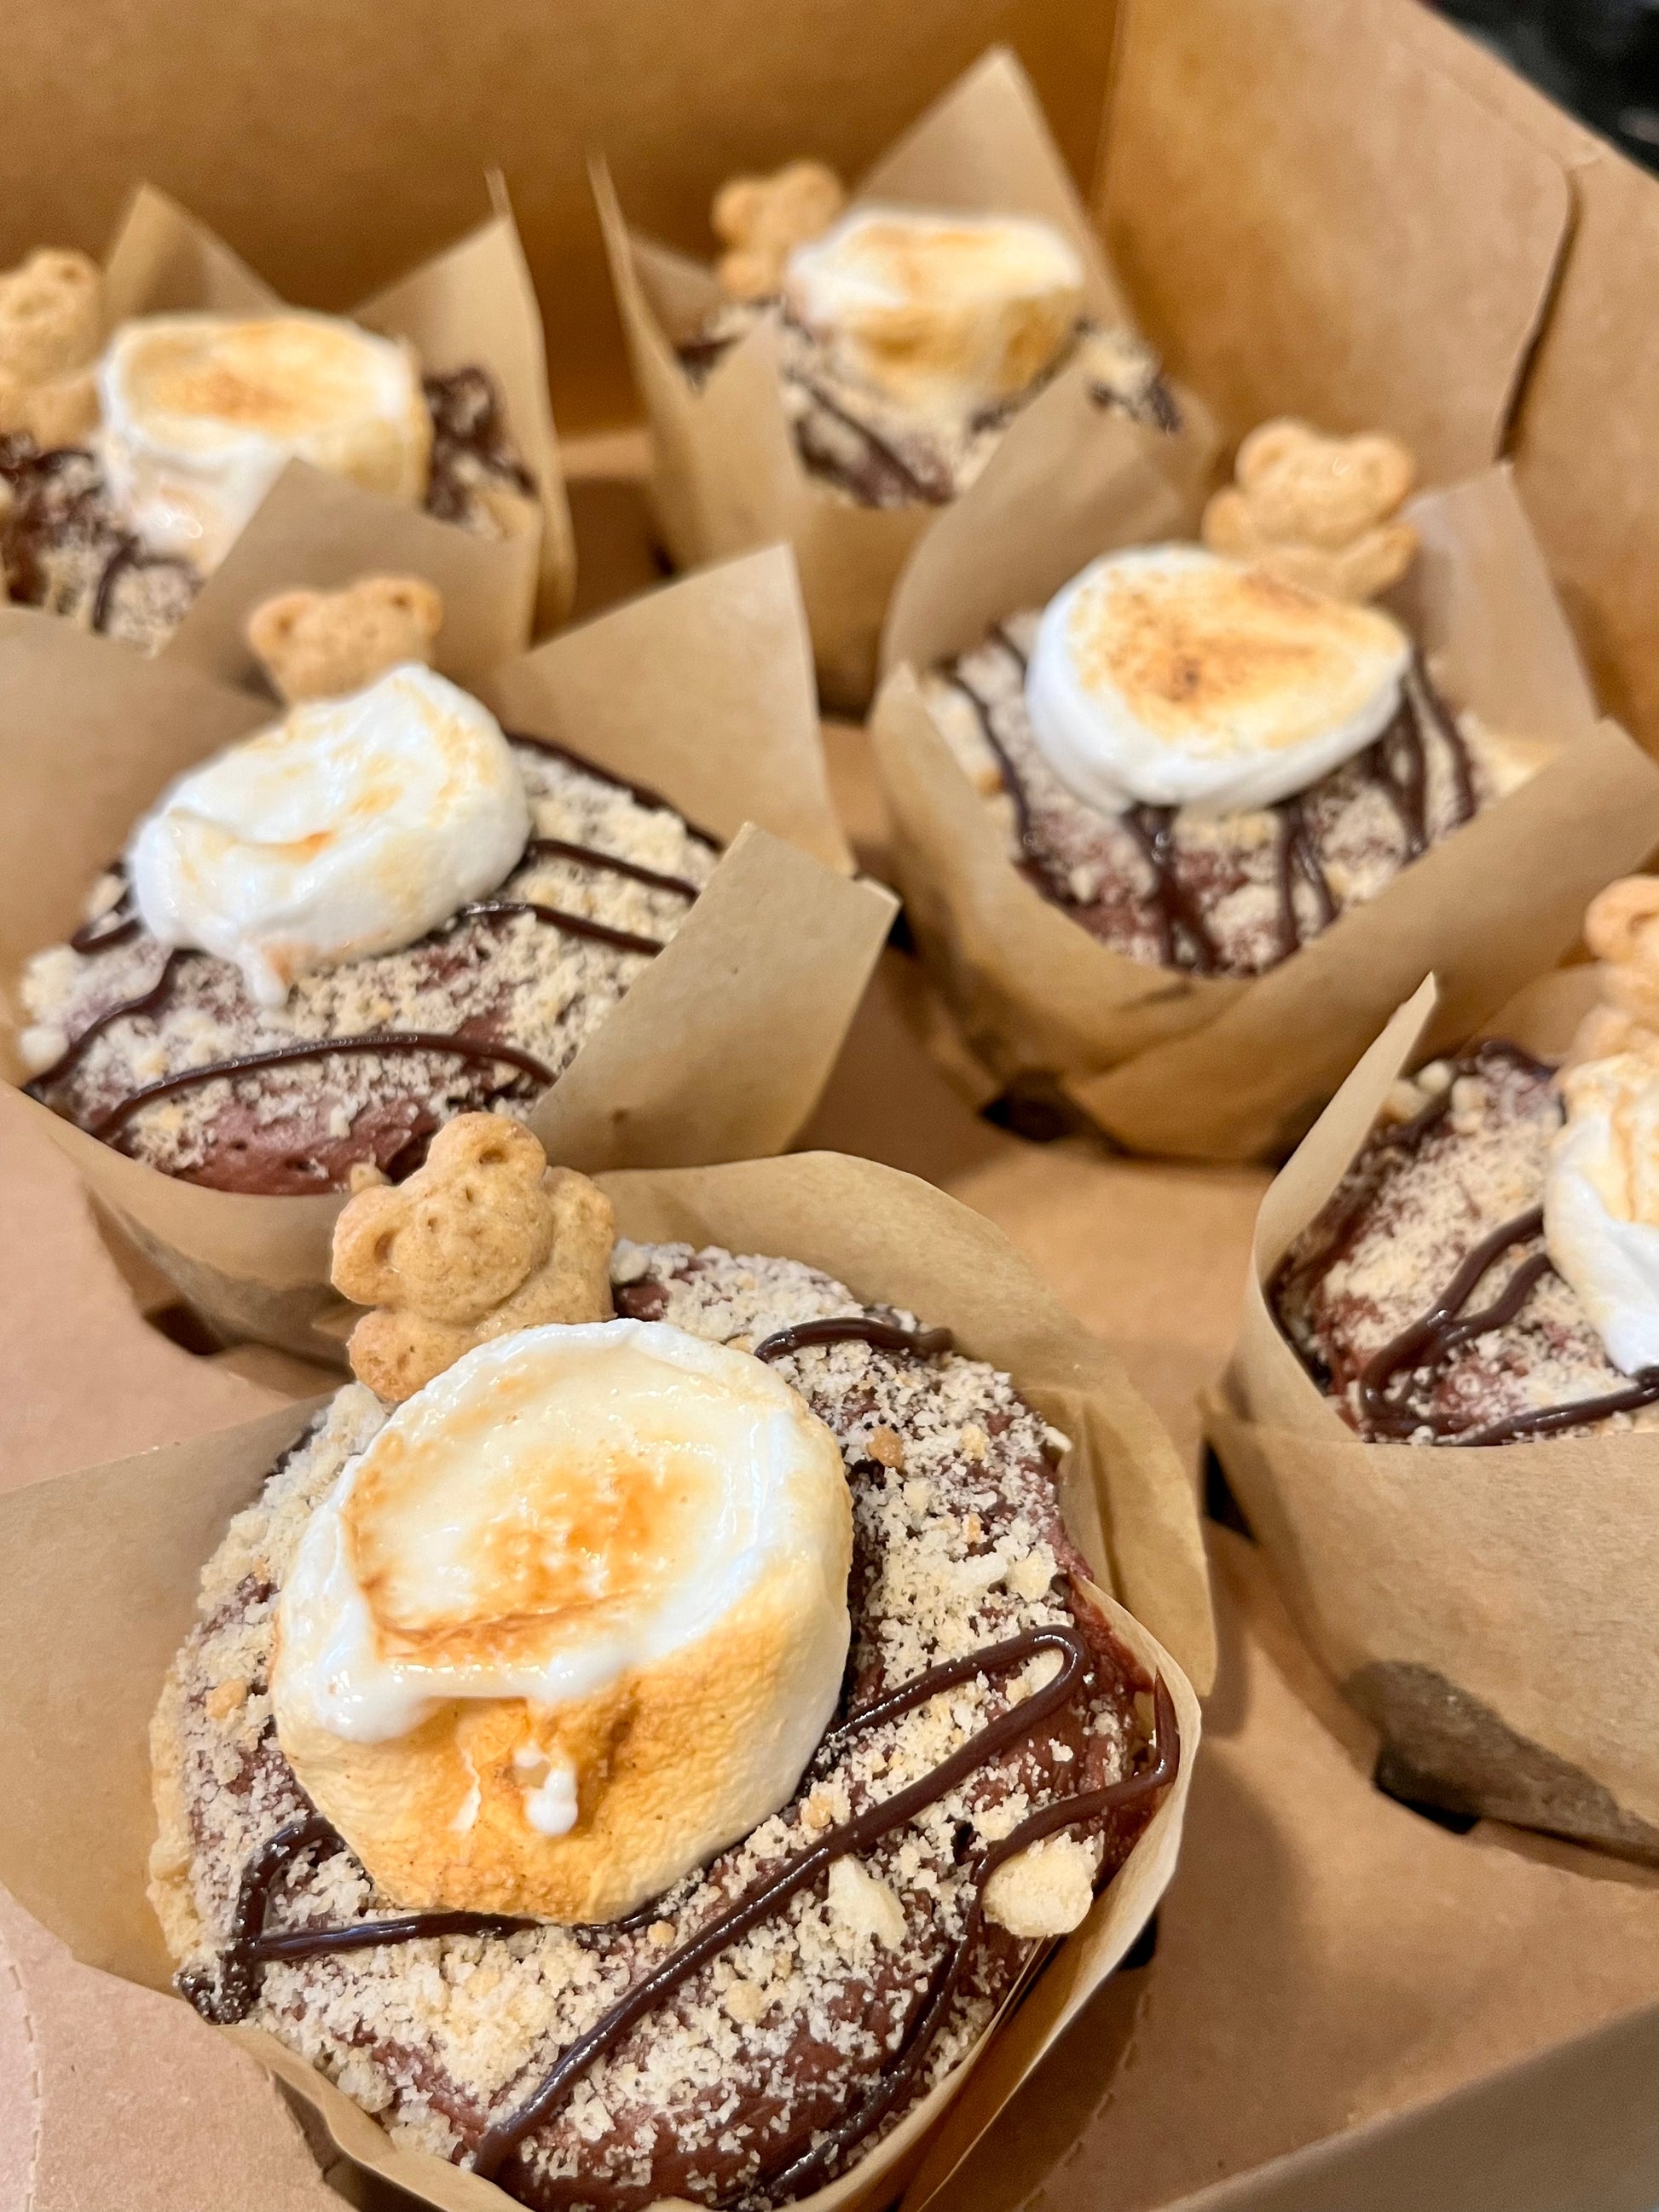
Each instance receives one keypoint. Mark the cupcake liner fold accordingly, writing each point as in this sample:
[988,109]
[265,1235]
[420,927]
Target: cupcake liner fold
[726,472]
[472,303]
[1232,1068]
[1489,1608]
[98,1571]
[719,1050]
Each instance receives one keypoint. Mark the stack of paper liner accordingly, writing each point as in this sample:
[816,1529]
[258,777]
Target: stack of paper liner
[1228,1068]
[726,474]
[98,1571]
[1488,1609]
[472,305]
[702,690]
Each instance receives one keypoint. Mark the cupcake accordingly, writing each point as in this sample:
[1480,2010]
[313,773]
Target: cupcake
[133,456]
[844,372]
[1441,1415]
[1174,834]
[376,912]
[658,1793]
[311,937]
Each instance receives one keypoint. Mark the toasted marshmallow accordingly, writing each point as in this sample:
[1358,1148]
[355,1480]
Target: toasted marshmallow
[574,1620]
[352,826]
[1602,1202]
[948,311]
[1168,676]
[201,413]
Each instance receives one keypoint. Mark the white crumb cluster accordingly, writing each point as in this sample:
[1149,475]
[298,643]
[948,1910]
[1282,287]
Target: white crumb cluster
[958,1545]
[1400,1225]
[519,980]
[1230,864]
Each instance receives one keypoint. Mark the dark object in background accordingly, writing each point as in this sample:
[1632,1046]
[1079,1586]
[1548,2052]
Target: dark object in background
[1598,57]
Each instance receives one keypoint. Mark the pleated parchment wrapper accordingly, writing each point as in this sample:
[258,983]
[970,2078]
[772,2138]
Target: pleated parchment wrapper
[471,304]
[99,1572]
[1230,1068]
[1491,1609]
[725,473]
[702,689]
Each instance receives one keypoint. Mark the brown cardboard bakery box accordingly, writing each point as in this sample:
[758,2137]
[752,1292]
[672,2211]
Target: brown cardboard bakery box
[1331,205]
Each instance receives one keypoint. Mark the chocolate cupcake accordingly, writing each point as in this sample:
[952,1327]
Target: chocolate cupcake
[114,511]
[687,1871]
[1488,1271]
[906,341]
[1203,758]
[376,914]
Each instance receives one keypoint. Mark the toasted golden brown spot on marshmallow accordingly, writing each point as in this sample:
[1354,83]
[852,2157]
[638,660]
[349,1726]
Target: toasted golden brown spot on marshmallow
[1319,512]
[317,645]
[485,1238]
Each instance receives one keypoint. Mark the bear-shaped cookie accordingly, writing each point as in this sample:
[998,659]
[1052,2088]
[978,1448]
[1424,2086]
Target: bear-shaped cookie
[1317,511]
[320,645]
[760,220]
[484,1239]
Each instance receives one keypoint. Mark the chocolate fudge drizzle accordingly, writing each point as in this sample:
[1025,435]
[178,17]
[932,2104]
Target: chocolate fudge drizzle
[120,924]
[230,1995]
[1426,1345]
[30,533]
[467,425]
[854,1328]
[1396,763]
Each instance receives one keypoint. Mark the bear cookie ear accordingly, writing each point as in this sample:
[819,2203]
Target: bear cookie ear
[483,1240]
[1317,512]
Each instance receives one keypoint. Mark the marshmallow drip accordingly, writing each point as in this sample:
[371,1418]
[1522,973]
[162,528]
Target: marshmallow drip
[574,1621]
[942,311]
[201,413]
[1602,1202]
[1166,676]
[351,827]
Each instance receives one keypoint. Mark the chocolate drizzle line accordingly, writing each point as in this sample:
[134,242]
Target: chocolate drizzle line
[577,925]
[504,2136]
[1153,828]
[1397,763]
[589,856]
[388,1042]
[640,794]
[1430,1341]
[855,1328]
[229,1996]
[115,927]
[932,490]
[129,557]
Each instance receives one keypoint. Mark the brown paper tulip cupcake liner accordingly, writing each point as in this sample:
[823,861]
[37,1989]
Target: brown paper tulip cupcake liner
[1488,1607]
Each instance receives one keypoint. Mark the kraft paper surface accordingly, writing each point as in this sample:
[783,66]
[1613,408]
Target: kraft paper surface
[726,473]
[473,302]
[721,1048]
[1306,152]
[99,1572]
[1467,1598]
[1232,1068]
